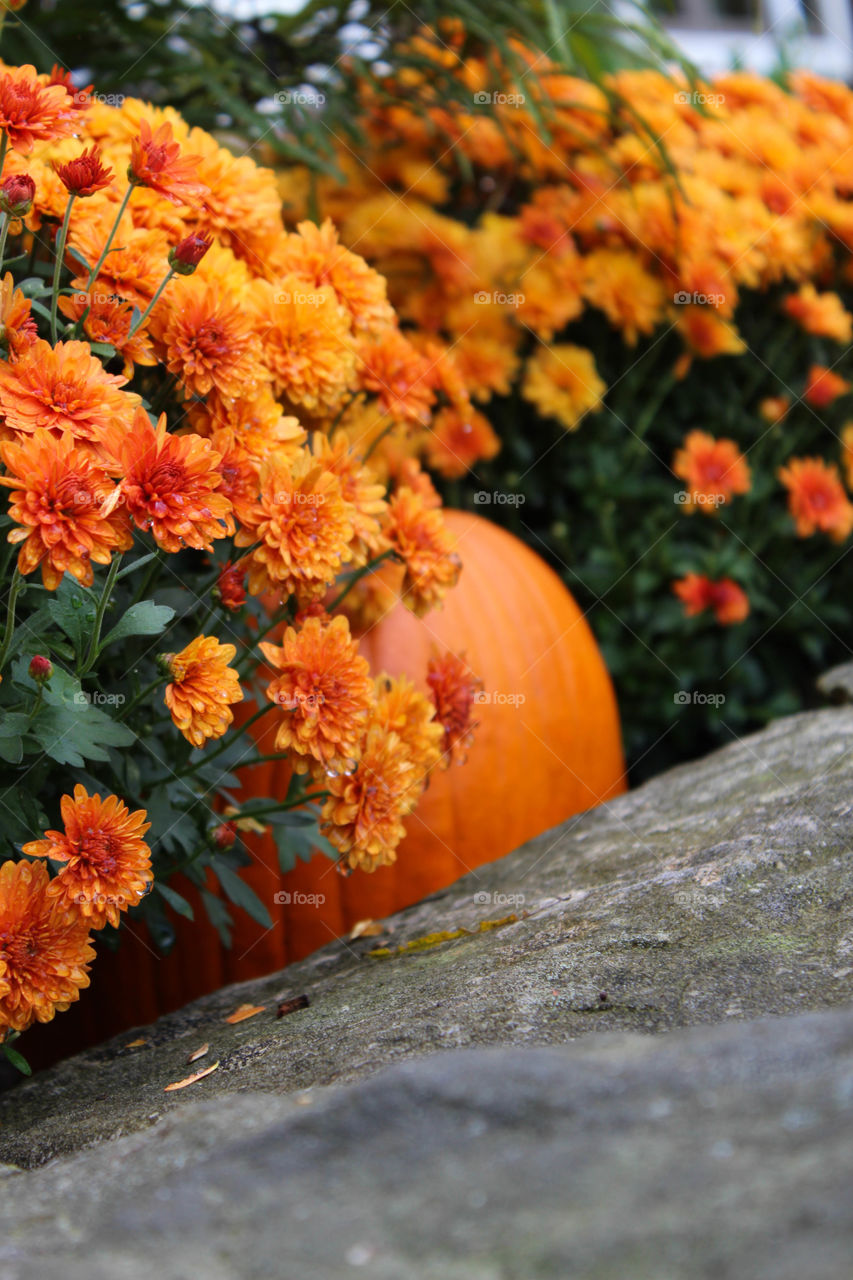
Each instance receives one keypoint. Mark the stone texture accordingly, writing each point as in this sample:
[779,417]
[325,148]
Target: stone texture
[717,1153]
[721,890]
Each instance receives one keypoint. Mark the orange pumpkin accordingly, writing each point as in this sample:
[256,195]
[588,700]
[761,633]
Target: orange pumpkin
[548,743]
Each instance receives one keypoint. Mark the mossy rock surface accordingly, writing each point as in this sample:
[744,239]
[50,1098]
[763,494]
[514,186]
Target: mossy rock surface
[719,893]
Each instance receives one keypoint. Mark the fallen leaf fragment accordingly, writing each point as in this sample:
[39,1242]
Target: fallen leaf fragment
[245,1011]
[135,1044]
[196,1075]
[198,1053]
[290,1006]
[367,929]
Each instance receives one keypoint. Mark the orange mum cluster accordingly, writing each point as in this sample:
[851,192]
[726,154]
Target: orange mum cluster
[45,923]
[747,189]
[276,363]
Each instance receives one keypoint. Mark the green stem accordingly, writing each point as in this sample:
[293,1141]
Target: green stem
[14,592]
[134,328]
[226,742]
[356,576]
[5,220]
[92,654]
[4,137]
[377,440]
[268,759]
[57,266]
[143,693]
[279,808]
[93,274]
[148,580]
[280,615]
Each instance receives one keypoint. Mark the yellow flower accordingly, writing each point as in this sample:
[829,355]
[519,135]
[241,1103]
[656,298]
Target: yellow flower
[324,688]
[563,383]
[202,687]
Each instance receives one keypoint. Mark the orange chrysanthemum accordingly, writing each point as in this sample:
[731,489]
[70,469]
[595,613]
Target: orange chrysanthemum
[17,327]
[418,535]
[66,388]
[209,340]
[304,525]
[459,438]
[404,710]
[363,816]
[45,950]
[308,343]
[453,688]
[697,592]
[156,162]
[30,111]
[257,422]
[171,486]
[109,319]
[59,494]
[202,688]
[713,470]
[107,864]
[816,498]
[707,333]
[239,471]
[360,488]
[822,314]
[401,378]
[230,590]
[315,255]
[774,408]
[133,269]
[325,690]
[85,175]
[823,386]
[632,298]
[562,381]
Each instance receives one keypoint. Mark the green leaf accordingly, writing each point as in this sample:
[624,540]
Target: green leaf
[217,914]
[175,900]
[72,609]
[240,893]
[301,843]
[143,619]
[134,565]
[17,1060]
[12,729]
[70,729]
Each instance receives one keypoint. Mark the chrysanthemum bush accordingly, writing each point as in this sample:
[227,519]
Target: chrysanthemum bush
[646,288]
[190,500]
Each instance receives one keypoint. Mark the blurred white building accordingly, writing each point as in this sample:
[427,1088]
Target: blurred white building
[759,34]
